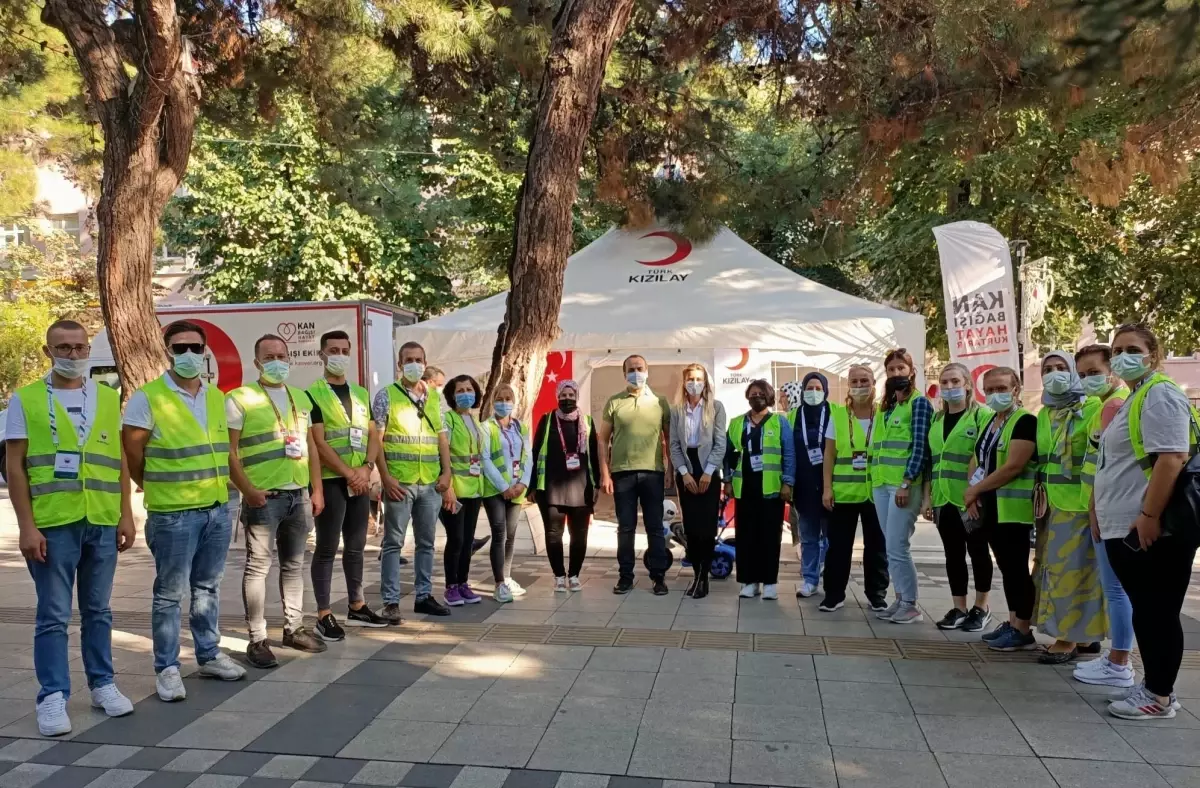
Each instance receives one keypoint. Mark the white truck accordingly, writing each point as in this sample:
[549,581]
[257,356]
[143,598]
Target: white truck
[233,329]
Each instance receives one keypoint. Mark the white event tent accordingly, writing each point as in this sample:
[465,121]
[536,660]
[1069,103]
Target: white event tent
[722,303]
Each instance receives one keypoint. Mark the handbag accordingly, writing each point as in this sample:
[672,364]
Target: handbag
[1181,517]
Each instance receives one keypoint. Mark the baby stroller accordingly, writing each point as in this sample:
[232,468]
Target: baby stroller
[672,532]
[723,552]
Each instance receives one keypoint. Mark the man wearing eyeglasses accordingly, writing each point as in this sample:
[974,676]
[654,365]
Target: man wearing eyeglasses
[177,446]
[70,491]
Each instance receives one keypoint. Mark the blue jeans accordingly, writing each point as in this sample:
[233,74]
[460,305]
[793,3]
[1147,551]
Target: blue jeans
[814,543]
[189,549]
[647,488]
[88,553]
[421,505]
[1120,610]
[898,527]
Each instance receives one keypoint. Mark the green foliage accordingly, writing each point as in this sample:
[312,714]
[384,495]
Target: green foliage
[23,327]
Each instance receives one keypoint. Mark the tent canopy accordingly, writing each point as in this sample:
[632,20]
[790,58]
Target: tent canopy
[646,289]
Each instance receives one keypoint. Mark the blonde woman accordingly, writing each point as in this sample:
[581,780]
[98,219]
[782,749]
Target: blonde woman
[847,496]
[952,437]
[697,452]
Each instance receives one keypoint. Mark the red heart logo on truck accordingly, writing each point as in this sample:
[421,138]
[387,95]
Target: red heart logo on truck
[287,330]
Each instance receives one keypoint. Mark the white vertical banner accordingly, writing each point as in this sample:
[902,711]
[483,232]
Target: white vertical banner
[977,281]
[733,370]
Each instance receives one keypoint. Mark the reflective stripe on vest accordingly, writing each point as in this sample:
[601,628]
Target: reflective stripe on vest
[261,443]
[541,465]
[891,444]
[96,494]
[772,454]
[849,485]
[1014,501]
[337,425]
[952,454]
[1060,458]
[410,444]
[186,467]
[489,489]
[1138,400]
[465,445]
[1095,429]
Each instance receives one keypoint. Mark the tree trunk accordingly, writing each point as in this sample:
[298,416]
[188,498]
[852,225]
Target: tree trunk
[148,121]
[584,35]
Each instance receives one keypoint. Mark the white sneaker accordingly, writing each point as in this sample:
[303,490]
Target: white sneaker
[515,587]
[1141,705]
[1102,672]
[170,685]
[52,716]
[222,667]
[503,593]
[770,591]
[806,590]
[560,585]
[749,590]
[111,700]
[574,583]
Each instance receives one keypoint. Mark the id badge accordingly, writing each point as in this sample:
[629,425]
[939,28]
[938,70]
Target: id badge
[66,465]
[292,449]
[516,469]
[476,466]
[816,456]
[756,463]
[573,463]
[356,438]
[858,461]
[978,476]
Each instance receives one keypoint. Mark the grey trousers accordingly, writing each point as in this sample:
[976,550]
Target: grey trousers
[286,519]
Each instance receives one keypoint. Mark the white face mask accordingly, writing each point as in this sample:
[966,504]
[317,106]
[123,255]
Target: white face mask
[337,365]
[695,387]
[413,371]
[71,368]
[860,394]
[814,397]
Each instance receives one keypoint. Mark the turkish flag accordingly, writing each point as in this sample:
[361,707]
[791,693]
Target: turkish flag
[559,366]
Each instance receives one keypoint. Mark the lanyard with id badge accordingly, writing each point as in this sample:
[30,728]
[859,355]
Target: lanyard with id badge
[756,457]
[357,434]
[517,451]
[67,463]
[858,457]
[572,458]
[475,435]
[293,448]
[816,455]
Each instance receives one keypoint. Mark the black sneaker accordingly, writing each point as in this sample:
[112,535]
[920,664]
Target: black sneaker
[660,587]
[479,544]
[303,640]
[997,632]
[260,655]
[365,617]
[623,586]
[878,605]
[953,619]
[829,605]
[430,607]
[977,619]
[328,628]
[391,615]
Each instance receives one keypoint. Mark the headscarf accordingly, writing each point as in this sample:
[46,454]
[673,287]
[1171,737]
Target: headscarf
[814,417]
[794,392]
[558,390]
[1074,394]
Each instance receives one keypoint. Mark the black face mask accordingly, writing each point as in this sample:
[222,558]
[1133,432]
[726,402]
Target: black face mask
[567,405]
[758,404]
[898,384]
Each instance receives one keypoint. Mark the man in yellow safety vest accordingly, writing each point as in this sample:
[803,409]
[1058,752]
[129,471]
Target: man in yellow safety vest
[177,447]
[272,459]
[70,492]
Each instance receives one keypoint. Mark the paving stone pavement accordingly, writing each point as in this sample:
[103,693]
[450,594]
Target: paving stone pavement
[447,707]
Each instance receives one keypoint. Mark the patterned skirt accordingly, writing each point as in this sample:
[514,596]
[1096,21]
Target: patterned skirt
[1070,598]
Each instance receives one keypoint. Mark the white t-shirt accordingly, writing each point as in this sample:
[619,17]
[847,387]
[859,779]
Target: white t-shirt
[235,416]
[72,401]
[831,430]
[138,413]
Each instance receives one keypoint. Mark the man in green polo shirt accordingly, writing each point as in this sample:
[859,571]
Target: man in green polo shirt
[633,444]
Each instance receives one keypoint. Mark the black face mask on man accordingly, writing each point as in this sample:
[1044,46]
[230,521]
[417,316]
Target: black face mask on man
[567,405]
[898,384]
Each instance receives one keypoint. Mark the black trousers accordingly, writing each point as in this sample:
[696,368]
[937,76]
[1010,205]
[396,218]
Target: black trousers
[843,524]
[344,519]
[956,544]
[460,533]
[503,517]
[1010,546]
[577,519]
[759,529]
[629,489]
[700,516]
[1156,581]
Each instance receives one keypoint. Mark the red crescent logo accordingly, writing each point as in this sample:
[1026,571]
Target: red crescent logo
[977,377]
[221,353]
[683,247]
[745,360]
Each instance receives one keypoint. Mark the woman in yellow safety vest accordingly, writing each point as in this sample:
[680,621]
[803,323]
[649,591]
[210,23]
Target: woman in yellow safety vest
[473,460]
[952,436]
[1106,394]
[1141,455]
[503,503]
[846,494]
[760,464]
[999,500]
[1070,604]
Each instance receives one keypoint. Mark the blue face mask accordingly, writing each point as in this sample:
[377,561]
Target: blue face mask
[188,365]
[1057,382]
[503,409]
[637,379]
[465,400]
[954,395]
[1096,385]
[1000,401]
[275,372]
[1130,366]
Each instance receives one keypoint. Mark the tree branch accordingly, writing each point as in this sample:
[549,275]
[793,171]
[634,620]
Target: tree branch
[158,25]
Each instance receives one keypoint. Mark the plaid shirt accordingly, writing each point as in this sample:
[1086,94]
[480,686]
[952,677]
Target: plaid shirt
[922,417]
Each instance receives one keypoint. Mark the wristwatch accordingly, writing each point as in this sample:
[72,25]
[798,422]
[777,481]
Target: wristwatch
[905,485]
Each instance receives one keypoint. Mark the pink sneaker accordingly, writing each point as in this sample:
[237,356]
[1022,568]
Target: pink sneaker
[453,597]
[468,596]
